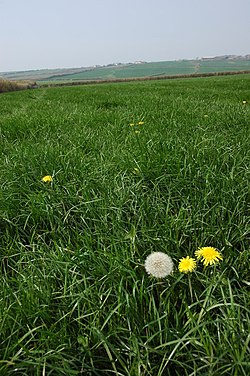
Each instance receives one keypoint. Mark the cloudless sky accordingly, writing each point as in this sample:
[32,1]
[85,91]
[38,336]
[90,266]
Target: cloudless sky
[36,34]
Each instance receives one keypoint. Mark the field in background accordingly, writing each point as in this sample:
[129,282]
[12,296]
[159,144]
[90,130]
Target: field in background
[75,297]
[133,70]
[165,68]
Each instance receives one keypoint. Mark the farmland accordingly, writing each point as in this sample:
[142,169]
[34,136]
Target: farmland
[165,68]
[131,168]
[133,70]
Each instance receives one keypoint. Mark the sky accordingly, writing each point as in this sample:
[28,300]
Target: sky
[40,34]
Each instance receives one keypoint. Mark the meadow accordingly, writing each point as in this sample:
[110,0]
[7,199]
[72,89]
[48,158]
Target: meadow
[131,168]
[123,71]
[155,69]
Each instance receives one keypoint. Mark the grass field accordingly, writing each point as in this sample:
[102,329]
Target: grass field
[131,70]
[75,298]
[157,69]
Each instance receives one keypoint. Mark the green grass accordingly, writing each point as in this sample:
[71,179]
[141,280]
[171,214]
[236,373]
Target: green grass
[133,70]
[130,70]
[162,68]
[75,297]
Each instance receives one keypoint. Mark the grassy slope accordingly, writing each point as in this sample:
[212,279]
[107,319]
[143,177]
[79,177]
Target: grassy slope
[135,70]
[38,74]
[74,294]
[159,69]
[131,71]
[223,66]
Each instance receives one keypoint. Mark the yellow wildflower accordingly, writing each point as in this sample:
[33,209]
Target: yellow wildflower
[136,171]
[141,123]
[187,264]
[244,102]
[47,179]
[131,124]
[137,132]
[208,255]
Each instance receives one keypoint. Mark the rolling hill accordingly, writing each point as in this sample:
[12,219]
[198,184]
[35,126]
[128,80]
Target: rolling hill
[228,63]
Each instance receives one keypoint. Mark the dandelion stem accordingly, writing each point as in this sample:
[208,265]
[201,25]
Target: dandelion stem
[190,287]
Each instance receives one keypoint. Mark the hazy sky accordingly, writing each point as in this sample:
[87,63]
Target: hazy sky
[37,34]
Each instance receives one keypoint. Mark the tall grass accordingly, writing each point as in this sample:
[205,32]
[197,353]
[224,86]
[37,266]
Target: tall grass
[6,85]
[75,297]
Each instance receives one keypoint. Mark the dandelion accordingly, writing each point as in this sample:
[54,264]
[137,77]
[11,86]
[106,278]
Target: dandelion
[47,179]
[137,132]
[136,171]
[187,264]
[141,123]
[244,102]
[159,264]
[208,255]
[131,124]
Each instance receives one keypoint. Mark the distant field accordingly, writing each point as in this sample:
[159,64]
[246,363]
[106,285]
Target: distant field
[223,66]
[40,74]
[166,68]
[130,169]
[133,70]
[125,71]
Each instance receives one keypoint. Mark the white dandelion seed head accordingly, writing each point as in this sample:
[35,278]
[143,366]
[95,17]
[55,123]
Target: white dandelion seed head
[159,264]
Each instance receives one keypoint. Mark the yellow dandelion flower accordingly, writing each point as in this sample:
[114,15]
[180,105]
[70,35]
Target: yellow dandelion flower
[47,179]
[141,123]
[208,255]
[137,132]
[244,102]
[131,124]
[187,264]
[136,171]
